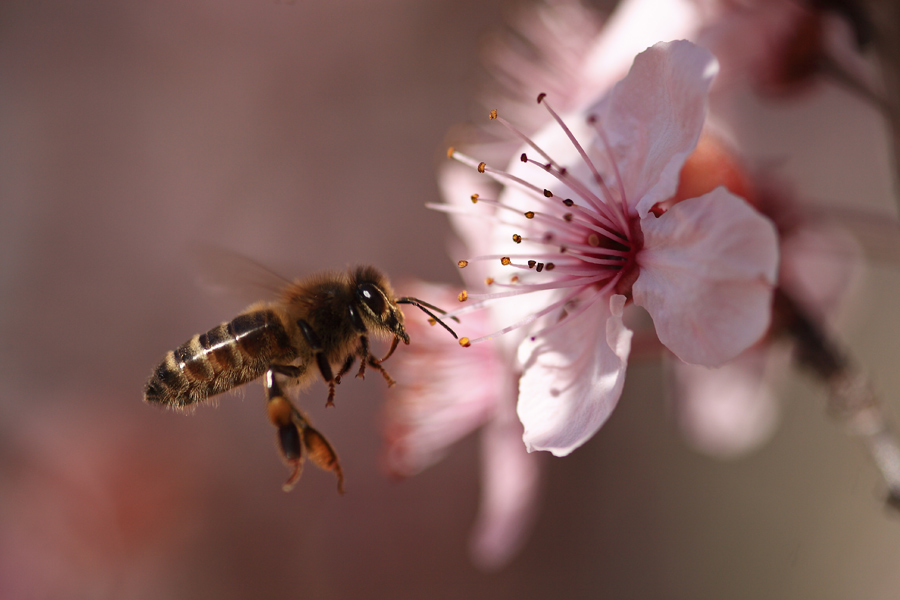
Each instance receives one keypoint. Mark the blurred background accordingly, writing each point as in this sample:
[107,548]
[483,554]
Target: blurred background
[305,135]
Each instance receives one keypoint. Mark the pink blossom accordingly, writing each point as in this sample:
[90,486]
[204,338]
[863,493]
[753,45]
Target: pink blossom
[589,242]
[731,410]
[445,394]
[781,46]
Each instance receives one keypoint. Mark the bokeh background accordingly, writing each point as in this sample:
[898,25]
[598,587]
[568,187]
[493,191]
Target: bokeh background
[305,135]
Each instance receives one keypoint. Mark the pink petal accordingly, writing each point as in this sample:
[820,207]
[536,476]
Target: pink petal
[634,26]
[707,271]
[653,118]
[573,378]
[444,392]
[731,410]
[820,267]
[509,491]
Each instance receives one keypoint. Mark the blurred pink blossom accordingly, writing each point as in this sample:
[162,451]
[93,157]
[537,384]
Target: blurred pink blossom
[445,394]
[732,409]
[785,46]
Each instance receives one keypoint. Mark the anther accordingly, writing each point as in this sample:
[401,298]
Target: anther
[481,167]
[474,198]
[529,214]
[517,238]
[505,261]
[594,240]
[451,151]
[493,114]
[462,264]
[548,194]
[463,296]
[524,157]
[489,281]
[514,279]
[531,264]
[569,202]
[550,266]
[567,217]
[540,267]
[541,97]
[464,342]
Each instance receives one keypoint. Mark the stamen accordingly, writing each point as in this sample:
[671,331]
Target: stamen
[530,318]
[593,120]
[600,205]
[571,136]
[531,288]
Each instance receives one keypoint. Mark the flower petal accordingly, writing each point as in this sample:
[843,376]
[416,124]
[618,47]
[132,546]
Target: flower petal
[731,410]
[444,392]
[572,379]
[707,272]
[653,118]
[510,481]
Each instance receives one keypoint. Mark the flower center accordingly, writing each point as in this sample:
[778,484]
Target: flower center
[582,247]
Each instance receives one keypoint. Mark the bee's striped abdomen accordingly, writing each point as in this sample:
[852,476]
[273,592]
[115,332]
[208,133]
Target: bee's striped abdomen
[222,358]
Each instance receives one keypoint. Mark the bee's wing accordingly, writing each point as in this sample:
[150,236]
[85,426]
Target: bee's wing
[225,273]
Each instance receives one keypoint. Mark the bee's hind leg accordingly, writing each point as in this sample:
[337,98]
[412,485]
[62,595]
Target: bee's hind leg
[297,438]
[281,415]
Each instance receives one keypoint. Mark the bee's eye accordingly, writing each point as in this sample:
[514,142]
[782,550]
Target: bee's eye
[372,297]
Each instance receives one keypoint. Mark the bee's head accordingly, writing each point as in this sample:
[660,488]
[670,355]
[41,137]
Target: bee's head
[377,306]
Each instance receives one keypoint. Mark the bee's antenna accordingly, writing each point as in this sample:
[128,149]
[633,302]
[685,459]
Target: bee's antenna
[424,306]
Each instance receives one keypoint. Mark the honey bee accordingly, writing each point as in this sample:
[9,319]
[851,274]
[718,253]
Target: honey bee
[318,324]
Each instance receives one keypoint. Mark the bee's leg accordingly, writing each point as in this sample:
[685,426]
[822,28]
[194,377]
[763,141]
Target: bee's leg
[318,449]
[375,364]
[324,366]
[290,436]
[345,368]
[297,438]
[363,351]
[364,356]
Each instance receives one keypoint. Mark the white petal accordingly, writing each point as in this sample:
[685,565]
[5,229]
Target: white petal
[573,378]
[707,272]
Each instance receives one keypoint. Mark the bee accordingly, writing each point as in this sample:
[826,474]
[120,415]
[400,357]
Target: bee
[319,326]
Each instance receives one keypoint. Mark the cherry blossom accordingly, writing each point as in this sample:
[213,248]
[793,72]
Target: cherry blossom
[576,237]
[445,394]
[732,409]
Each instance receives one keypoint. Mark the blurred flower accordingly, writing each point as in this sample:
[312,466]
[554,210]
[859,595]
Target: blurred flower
[445,394]
[732,409]
[101,506]
[785,46]
[584,259]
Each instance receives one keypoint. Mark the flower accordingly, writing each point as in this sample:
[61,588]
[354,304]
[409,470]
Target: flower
[596,235]
[443,395]
[731,410]
[783,46]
